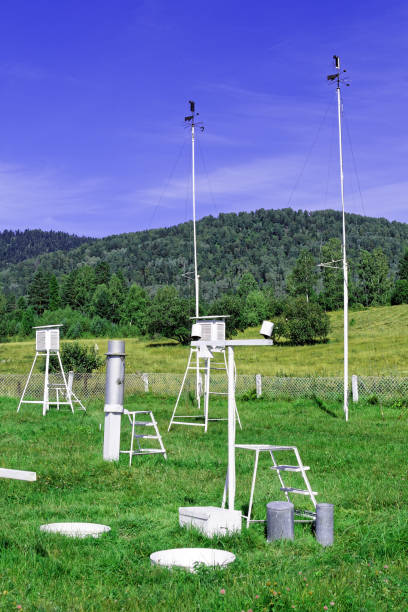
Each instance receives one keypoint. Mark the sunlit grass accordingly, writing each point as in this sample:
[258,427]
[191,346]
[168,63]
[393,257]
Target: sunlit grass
[359,467]
[378,345]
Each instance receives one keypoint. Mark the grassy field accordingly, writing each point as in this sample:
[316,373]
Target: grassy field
[360,467]
[378,346]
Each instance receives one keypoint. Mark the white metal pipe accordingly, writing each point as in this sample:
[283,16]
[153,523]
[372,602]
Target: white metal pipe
[231,429]
[345,270]
[194,218]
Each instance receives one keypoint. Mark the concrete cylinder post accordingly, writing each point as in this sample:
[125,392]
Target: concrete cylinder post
[114,392]
[258,385]
[280,520]
[354,387]
[324,524]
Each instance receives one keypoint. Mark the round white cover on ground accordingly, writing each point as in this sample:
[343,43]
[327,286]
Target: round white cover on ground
[76,530]
[189,558]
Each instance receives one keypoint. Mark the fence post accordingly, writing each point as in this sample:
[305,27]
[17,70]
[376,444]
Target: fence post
[258,384]
[354,387]
[145,378]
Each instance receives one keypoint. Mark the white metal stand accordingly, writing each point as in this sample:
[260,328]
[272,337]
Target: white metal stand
[47,344]
[132,415]
[201,365]
[220,520]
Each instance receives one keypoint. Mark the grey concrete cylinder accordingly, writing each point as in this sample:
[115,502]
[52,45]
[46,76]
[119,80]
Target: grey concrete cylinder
[114,393]
[279,521]
[324,524]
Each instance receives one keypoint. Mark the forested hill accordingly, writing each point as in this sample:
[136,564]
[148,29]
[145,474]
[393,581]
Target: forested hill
[264,242]
[20,245]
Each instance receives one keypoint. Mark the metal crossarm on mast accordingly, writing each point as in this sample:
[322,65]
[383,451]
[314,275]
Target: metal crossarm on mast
[337,77]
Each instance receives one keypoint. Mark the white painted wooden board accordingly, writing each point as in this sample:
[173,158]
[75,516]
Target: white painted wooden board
[18,474]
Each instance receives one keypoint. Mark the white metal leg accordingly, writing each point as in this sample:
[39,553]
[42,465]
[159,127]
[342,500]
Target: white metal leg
[46,390]
[131,442]
[69,399]
[181,390]
[206,393]
[251,497]
[28,380]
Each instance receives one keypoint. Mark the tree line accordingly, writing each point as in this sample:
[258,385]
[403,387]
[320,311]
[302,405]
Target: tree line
[93,301]
[266,243]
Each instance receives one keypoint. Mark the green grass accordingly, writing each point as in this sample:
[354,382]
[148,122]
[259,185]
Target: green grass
[378,346]
[360,467]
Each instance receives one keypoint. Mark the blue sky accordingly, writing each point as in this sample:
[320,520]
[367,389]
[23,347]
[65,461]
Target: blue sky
[93,96]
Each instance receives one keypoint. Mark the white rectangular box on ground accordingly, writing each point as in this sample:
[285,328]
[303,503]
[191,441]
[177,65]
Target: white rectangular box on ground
[210,520]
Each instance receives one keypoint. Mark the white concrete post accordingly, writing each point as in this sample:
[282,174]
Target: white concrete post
[354,387]
[258,383]
[114,392]
[145,379]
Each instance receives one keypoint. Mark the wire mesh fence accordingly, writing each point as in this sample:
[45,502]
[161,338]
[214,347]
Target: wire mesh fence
[92,386]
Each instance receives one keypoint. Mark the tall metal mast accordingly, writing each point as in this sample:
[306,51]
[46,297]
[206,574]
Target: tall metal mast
[337,77]
[192,120]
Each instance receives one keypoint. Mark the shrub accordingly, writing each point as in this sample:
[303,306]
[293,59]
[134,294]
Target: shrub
[76,357]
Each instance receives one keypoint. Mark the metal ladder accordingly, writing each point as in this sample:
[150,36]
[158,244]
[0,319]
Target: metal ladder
[132,415]
[305,515]
[301,469]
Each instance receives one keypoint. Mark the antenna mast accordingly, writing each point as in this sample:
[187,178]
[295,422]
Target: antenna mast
[192,120]
[337,77]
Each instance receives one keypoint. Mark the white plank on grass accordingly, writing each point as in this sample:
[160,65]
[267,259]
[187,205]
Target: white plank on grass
[18,474]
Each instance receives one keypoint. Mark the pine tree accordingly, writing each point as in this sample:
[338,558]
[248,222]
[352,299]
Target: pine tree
[403,267]
[102,273]
[116,297]
[54,295]
[101,304]
[39,291]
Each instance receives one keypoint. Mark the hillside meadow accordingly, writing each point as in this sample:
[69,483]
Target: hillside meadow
[378,345]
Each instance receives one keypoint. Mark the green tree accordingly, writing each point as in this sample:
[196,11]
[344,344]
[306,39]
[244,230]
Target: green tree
[102,273]
[400,293]
[332,275]
[306,322]
[256,308]
[39,291]
[54,295]
[116,297]
[303,278]
[247,283]
[83,288]
[134,308]
[26,324]
[67,289]
[373,274]
[101,302]
[168,315]
[403,267]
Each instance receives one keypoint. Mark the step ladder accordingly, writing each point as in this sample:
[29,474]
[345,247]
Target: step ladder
[305,515]
[134,417]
